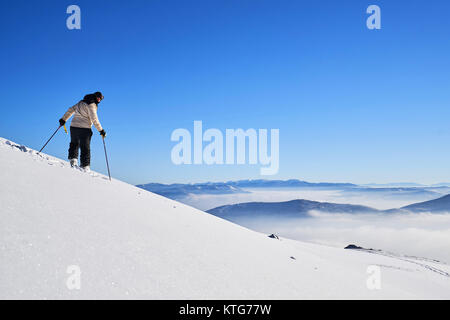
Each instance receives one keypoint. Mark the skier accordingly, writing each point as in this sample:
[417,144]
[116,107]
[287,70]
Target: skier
[80,129]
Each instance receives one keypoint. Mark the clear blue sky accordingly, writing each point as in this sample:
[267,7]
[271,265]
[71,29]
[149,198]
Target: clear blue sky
[352,104]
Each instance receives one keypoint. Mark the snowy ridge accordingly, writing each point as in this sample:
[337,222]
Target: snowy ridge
[130,243]
[42,157]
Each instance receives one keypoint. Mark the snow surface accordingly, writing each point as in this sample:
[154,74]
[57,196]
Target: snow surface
[133,244]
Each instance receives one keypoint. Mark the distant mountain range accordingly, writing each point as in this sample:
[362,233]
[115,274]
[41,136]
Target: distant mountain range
[394,184]
[292,183]
[437,205]
[405,184]
[178,190]
[293,208]
[301,208]
[442,184]
[427,192]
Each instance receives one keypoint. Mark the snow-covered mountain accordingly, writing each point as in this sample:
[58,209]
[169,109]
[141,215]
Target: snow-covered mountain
[130,243]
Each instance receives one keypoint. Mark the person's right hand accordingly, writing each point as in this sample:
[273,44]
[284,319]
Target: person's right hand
[62,122]
[103,133]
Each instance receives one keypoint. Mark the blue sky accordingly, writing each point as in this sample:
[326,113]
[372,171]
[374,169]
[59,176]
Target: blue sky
[351,104]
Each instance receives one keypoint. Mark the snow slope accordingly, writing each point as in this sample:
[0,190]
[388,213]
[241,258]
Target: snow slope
[130,243]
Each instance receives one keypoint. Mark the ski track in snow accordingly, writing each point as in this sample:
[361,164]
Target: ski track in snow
[403,258]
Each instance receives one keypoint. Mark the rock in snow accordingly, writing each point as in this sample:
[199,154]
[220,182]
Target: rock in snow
[65,234]
[353,247]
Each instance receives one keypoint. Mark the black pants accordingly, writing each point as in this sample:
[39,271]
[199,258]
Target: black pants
[80,139]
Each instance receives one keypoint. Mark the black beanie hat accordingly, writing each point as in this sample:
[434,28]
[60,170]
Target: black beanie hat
[98,94]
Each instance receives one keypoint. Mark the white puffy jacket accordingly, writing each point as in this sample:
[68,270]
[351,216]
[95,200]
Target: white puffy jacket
[85,116]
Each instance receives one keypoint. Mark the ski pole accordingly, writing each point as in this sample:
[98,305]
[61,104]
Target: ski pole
[106,156]
[49,139]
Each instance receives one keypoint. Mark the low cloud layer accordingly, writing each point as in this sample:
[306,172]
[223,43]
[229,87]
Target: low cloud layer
[424,235]
[380,201]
